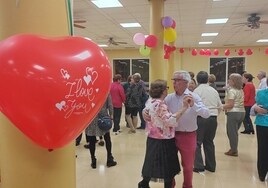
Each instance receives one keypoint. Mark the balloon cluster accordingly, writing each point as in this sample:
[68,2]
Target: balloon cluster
[146,43]
[169,25]
[168,49]
[208,52]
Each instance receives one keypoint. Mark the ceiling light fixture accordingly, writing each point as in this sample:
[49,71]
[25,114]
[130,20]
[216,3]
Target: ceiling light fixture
[209,34]
[209,42]
[217,21]
[102,45]
[130,24]
[262,40]
[107,4]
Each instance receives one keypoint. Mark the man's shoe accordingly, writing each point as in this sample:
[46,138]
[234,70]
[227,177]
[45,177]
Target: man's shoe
[261,178]
[231,153]
[197,170]
[86,146]
[208,169]
[111,163]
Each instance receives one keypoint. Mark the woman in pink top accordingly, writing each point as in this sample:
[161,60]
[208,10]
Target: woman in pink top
[249,101]
[161,158]
[118,98]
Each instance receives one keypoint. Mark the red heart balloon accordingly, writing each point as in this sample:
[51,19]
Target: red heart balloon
[51,88]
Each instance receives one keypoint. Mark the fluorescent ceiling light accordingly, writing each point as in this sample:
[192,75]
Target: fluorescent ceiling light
[130,24]
[216,21]
[102,45]
[262,40]
[107,3]
[217,0]
[209,34]
[209,42]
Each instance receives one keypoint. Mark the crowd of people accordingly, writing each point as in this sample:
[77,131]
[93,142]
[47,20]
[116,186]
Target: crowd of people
[184,121]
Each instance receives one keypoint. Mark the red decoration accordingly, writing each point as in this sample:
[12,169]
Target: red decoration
[266,51]
[194,52]
[216,52]
[240,52]
[202,52]
[52,88]
[181,50]
[208,52]
[173,24]
[249,52]
[227,52]
[168,50]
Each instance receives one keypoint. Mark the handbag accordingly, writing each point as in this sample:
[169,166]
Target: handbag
[105,123]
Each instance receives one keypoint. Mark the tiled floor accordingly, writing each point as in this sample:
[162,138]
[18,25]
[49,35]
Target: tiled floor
[128,150]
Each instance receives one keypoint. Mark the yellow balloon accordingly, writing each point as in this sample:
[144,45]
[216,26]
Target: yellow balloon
[170,34]
[145,51]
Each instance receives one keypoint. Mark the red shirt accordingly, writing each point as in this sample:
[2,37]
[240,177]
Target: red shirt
[249,94]
[117,94]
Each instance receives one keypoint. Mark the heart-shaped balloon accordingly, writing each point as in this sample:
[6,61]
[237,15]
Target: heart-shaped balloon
[51,88]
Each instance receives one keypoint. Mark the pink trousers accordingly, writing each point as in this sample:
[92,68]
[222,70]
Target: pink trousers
[186,144]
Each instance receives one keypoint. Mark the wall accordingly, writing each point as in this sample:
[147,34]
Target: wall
[186,61]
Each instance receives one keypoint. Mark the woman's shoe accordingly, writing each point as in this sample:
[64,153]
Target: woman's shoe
[141,185]
[245,132]
[94,163]
[231,153]
[101,143]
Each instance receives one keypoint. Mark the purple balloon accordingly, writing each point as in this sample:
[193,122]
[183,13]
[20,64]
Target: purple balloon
[167,21]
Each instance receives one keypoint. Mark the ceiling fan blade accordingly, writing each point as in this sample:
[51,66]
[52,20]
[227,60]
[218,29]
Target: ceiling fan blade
[79,26]
[80,21]
[121,42]
[264,22]
[242,23]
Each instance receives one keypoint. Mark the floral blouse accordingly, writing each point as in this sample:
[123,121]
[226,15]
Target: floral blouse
[163,122]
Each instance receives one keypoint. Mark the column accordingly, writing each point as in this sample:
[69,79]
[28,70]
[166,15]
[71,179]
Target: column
[157,62]
[23,163]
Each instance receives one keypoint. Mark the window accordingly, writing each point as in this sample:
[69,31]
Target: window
[222,68]
[126,67]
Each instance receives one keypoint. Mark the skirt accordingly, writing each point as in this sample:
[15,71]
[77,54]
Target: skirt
[161,159]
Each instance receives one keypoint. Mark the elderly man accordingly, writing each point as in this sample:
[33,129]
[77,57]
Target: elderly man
[206,126]
[262,77]
[185,135]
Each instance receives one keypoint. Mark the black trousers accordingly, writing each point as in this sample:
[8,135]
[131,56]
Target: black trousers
[117,118]
[247,120]
[262,159]
[108,145]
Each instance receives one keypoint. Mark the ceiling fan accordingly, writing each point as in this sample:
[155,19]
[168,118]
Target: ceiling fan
[111,41]
[78,22]
[253,21]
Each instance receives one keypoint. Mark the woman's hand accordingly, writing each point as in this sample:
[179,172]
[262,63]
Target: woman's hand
[260,110]
[146,115]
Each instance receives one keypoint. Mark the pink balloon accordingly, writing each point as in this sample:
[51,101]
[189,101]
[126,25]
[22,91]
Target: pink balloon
[181,50]
[208,52]
[151,41]
[139,39]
